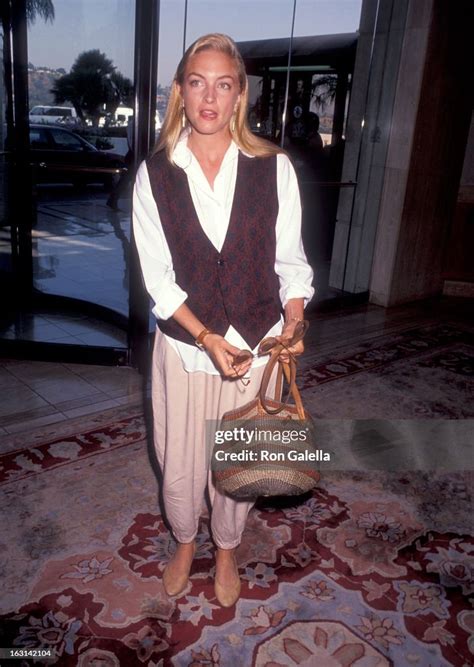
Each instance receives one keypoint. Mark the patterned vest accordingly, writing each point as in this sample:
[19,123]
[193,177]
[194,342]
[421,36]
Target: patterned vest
[238,285]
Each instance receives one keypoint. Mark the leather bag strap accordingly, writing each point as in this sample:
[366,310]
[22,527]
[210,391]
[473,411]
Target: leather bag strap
[286,369]
[295,392]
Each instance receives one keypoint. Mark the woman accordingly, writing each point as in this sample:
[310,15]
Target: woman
[217,226]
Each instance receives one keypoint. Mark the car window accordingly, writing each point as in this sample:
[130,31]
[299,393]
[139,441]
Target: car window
[66,140]
[38,138]
[58,111]
[37,111]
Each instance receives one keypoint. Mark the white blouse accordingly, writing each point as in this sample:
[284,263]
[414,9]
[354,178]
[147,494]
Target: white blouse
[213,208]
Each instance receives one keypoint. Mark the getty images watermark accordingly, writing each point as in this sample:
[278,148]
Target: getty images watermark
[274,444]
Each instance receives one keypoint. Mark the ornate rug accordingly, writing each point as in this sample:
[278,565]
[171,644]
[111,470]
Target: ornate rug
[371,569]
[418,373]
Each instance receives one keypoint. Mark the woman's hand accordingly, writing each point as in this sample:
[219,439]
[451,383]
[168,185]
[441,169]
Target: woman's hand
[285,337]
[222,354]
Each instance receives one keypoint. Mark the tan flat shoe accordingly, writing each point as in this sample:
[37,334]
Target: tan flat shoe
[227,594]
[174,580]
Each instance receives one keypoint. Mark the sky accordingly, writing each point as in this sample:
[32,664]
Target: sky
[108,25]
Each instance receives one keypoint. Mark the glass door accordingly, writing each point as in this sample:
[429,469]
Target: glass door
[78,72]
[300,63]
[96,99]
[81,109]
[319,85]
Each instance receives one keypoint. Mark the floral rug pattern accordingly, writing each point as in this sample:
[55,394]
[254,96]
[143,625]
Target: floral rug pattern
[370,569]
[360,573]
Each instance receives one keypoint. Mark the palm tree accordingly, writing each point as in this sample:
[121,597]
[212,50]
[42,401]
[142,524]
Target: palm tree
[34,8]
[42,8]
[323,89]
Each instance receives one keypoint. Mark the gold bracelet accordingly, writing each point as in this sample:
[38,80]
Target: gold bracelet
[201,337]
[293,319]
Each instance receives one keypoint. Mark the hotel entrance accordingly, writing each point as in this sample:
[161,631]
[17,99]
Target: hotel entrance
[84,91]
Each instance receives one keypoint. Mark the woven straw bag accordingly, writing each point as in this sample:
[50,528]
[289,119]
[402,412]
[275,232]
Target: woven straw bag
[284,461]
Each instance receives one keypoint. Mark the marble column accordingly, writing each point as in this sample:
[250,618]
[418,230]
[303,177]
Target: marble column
[407,156]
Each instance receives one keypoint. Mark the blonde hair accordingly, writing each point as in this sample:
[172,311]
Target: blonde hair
[242,135]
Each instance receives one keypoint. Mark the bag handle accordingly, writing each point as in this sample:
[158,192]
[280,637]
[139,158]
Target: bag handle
[275,347]
[295,392]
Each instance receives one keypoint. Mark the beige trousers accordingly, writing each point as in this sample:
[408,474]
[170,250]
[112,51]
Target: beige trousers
[182,402]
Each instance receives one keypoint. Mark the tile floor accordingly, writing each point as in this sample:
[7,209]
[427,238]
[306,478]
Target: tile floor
[39,393]
[65,328]
[36,393]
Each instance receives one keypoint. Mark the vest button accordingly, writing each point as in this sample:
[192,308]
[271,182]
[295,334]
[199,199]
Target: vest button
[220,262]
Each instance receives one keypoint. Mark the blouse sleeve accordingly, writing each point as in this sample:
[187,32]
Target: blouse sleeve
[153,250]
[291,265]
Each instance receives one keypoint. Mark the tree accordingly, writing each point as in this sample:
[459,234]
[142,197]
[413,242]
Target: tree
[323,89]
[124,88]
[92,85]
[34,8]
[43,8]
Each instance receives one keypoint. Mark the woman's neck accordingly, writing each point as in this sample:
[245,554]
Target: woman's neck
[209,149]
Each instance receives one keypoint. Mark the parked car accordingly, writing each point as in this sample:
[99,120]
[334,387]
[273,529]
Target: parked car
[52,115]
[118,119]
[61,156]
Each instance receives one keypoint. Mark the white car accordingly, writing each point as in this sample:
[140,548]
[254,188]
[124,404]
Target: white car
[52,115]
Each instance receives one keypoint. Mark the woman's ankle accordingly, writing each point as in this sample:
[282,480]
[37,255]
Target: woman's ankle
[225,554]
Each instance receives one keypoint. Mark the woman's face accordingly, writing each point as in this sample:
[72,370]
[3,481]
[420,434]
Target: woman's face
[210,92]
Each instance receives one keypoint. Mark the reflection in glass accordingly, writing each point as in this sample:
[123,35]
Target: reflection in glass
[316,107]
[81,106]
[318,102]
